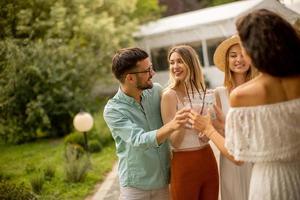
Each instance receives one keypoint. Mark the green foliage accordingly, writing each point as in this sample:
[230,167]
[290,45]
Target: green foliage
[30,168]
[76,164]
[100,130]
[98,137]
[14,158]
[74,138]
[51,54]
[147,10]
[49,172]
[37,181]
[219,2]
[4,176]
[40,91]
[10,191]
[95,146]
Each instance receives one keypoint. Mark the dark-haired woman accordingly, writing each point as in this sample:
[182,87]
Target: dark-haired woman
[263,125]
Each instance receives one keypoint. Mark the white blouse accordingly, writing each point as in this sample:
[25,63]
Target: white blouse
[269,136]
[264,133]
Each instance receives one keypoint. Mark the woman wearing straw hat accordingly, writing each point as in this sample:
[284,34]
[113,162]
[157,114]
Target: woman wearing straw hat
[228,58]
[194,170]
[262,125]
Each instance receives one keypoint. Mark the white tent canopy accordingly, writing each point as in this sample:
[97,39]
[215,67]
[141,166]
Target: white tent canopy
[203,24]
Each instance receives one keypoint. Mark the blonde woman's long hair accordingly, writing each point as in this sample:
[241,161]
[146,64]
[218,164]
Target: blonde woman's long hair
[194,78]
[228,80]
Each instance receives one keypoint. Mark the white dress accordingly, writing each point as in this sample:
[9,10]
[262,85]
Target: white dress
[269,136]
[234,179]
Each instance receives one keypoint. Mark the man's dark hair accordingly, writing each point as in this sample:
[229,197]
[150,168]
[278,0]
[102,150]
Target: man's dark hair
[271,42]
[125,60]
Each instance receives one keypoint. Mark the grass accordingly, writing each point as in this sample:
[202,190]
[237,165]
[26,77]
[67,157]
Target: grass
[19,163]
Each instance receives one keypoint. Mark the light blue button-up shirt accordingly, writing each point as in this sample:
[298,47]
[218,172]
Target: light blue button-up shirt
[143,163]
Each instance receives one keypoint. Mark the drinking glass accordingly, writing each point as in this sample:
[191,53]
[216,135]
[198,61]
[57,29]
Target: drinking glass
[201,102]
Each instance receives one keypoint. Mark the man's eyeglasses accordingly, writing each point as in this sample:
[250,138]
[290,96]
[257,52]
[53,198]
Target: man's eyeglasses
[149,70]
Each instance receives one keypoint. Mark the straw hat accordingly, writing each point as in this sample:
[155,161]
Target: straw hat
[221,51]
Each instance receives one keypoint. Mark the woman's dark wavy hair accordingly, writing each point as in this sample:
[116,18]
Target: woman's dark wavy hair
[271,42]
[125,60]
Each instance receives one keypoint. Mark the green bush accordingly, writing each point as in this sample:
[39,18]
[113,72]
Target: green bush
[74,138]
[77,164]
[4,176]
[100,134]
[49,172]
[40,91]
[11,131]
[37,181]
[100,130]
[11,191]
[30,168]
[74,149]
[95,146]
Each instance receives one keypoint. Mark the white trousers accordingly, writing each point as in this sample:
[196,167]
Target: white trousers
[130,193]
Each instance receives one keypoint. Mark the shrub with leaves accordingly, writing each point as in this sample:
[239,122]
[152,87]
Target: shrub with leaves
[95,146]
[74,138]
[9,191]
[100,134]
[37,181]
[49,172]
[100,130]
[30,168]
[77,164]
[4,176]
[40,91]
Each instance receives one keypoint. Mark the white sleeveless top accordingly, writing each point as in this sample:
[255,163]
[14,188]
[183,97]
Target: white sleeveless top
[191,139]
[269,136]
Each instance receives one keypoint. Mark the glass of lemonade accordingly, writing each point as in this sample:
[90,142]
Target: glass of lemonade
[201,102]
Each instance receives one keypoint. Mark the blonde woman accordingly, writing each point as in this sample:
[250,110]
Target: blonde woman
[194,173]
[228,58]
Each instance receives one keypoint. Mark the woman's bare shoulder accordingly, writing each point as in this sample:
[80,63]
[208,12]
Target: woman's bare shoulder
[250,94]
[169,93]
[169,96]
[265,90]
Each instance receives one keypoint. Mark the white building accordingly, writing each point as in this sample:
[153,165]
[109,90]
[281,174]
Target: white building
[203,29]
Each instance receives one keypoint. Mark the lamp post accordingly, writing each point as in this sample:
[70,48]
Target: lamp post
[83,122]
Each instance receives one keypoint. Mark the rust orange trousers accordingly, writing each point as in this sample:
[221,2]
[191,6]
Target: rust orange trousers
[194,175]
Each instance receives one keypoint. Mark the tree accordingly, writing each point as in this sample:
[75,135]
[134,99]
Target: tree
[177,6]
[51,53]
[219,2]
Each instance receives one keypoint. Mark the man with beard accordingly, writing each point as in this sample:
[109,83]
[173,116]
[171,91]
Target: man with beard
[133,117]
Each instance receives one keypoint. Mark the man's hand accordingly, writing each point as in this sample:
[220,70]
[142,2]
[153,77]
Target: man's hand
[180,119]
[176,125]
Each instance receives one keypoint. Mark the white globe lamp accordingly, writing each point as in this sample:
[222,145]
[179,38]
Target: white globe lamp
[83,122]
